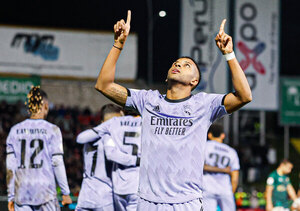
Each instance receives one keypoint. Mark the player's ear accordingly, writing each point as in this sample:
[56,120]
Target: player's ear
[223,136]
[194,82]
[46,105]
[210,136]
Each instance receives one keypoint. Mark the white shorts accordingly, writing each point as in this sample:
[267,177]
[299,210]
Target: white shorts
[280,209]
[49,206]
[126,202]
[225,202]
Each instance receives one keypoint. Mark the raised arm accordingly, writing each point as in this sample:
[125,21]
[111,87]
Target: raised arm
[242,95]
[105,82]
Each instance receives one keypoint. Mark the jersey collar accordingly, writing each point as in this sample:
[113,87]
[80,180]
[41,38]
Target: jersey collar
[177,101]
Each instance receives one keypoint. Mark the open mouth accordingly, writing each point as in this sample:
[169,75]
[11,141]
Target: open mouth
[175,71]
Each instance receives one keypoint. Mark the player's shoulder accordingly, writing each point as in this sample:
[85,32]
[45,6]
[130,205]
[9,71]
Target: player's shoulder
[273,174]
[18,125]
[45,123]
[144,91]
[230,148]
[54,128]
[205,95]
[272,178]
[127,118]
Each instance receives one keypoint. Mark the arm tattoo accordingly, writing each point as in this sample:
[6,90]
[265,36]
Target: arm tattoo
[118,94]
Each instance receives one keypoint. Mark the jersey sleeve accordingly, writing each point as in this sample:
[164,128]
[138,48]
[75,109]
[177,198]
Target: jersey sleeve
[216,106]
[60,174]
[235,165]
[9,142]
[56,143]
[104,128]
[136,99]
[89,135]
[270,180]
[11,166]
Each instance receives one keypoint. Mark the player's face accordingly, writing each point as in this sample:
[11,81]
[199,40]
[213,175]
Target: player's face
[287,168]
[184,71]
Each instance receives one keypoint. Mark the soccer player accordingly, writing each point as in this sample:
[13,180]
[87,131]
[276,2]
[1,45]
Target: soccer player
[35,160]
[219,188]
[123,147]
[279,188]
[174,125]
[96,188]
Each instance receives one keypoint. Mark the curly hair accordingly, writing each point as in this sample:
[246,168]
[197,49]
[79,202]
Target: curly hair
[35,99]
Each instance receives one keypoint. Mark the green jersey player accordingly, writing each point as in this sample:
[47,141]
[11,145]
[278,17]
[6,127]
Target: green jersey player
[279,188]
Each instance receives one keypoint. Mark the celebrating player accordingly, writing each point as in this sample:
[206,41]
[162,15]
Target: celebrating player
[35,160]
[279,188]
[96,189]
[123,147]
[121,143]
[219,187]
[174,126]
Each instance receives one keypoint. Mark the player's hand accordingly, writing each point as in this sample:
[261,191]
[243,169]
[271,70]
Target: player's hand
[296,205]
[66,199]
[11,206]
[227,170]
[121,29]
[223,40]
[269,207]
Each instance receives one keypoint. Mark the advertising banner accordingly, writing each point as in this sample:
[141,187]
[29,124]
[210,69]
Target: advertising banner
[290,101]
[200,23]
[48,52]
[257,49]
[13,89]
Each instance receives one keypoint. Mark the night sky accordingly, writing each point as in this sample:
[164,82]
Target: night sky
[102,15]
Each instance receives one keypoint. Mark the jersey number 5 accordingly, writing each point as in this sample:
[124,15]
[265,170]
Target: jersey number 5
[37,150]
[135,147]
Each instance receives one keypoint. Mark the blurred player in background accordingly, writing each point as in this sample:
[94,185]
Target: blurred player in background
[124,148]
[35,160]
[96,189]
[279,188]
[174,125]
[218,187]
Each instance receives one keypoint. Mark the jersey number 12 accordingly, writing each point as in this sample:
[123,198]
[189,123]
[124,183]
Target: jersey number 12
[37,150]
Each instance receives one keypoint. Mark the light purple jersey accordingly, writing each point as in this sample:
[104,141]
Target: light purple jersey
[173,143]
[34,143]
[96,188]
[123,147]
[219,155]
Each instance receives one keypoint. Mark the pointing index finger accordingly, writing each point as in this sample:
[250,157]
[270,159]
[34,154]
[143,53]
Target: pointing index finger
[221,31]
[128,17]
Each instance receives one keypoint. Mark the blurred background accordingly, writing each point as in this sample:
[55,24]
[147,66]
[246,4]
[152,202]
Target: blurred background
[61,46]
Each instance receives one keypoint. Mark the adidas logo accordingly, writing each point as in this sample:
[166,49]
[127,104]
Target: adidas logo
[156,109]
